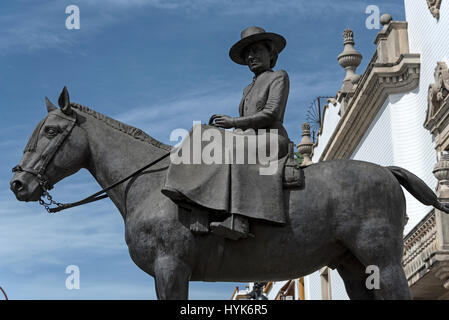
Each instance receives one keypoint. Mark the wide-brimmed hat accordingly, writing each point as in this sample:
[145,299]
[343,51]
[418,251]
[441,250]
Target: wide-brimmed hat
[251,35]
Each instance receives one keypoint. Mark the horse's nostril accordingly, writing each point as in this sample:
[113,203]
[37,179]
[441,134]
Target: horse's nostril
[16,186]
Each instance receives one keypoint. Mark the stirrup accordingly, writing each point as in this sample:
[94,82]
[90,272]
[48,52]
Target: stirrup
[234,228]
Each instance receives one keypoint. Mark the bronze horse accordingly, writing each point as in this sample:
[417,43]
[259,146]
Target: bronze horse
[349,216]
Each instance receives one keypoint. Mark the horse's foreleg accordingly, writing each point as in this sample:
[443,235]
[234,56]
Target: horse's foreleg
[171,278]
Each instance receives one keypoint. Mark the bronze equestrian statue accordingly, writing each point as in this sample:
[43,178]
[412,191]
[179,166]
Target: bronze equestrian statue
[348,215]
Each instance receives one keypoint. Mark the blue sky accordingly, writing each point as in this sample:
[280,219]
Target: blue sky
[157,65]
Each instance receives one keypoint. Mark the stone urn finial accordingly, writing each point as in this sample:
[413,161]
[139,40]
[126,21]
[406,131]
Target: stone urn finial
[348,36]
[305,147]
[349,59]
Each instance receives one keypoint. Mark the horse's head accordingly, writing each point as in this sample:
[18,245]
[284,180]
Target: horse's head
[57,148]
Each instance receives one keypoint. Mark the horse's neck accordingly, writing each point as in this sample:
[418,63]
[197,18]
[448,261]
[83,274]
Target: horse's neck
[115,155]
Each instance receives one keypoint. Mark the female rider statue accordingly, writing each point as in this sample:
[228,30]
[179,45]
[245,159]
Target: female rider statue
[263,103]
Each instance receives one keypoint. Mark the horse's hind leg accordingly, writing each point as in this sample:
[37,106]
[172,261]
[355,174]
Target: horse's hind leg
[382,247]
[171,278]
[393,283]
[354,277]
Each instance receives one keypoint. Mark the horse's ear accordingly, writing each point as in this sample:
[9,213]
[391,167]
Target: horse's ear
[64,102]
[50,105]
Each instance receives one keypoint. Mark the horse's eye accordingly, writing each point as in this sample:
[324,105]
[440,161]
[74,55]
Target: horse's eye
[51,131]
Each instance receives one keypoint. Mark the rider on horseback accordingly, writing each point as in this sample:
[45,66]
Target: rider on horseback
[262,106]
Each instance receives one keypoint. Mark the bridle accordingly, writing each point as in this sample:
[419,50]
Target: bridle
[46,156]
[44,182]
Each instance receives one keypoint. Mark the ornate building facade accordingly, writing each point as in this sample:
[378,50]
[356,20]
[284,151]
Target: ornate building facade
[394,114]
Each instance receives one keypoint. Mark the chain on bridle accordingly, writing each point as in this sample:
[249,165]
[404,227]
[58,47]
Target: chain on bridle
[50,202]
[45,187]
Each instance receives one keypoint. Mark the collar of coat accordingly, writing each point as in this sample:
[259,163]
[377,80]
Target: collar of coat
[255,77]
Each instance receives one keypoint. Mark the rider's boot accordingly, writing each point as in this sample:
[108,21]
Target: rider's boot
[235,227]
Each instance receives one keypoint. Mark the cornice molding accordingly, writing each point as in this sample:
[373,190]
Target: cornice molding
[378,82]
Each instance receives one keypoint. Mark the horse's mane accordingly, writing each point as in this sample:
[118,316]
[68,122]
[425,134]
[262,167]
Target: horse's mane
[125,128]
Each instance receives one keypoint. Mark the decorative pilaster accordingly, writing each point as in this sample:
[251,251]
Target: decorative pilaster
[392,40]
[437,118]
[434,7]
[326,290]
[439,91]
[441,172]
[426,247]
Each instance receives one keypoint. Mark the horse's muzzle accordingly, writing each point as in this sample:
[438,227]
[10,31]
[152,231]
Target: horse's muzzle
[25,189]
[16,186]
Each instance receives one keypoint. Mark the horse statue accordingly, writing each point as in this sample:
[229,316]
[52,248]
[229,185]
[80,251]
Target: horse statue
[349,215]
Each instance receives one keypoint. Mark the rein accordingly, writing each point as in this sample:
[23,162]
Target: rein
[98,195]
[94,197]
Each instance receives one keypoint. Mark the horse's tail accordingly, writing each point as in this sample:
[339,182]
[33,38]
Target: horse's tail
[418,188]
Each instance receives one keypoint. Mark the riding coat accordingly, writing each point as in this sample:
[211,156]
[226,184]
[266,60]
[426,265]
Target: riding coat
[264,101]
